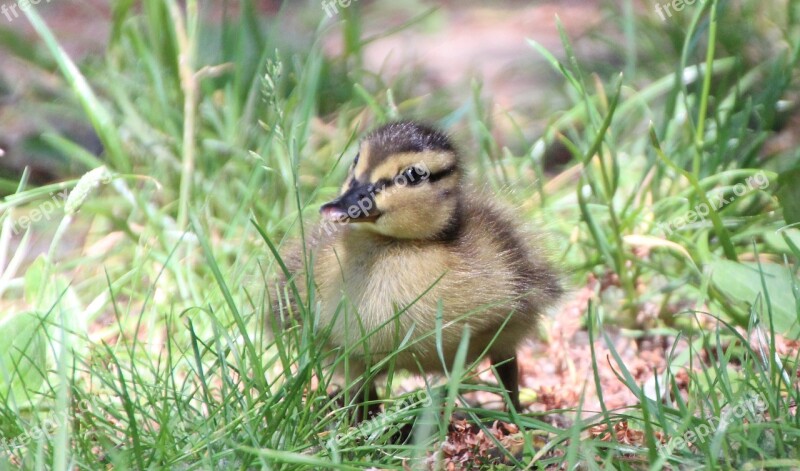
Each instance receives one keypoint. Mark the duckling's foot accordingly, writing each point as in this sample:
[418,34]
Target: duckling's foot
[367,411]
[363,406]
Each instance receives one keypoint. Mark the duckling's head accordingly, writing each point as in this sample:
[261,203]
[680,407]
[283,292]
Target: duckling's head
[405,183]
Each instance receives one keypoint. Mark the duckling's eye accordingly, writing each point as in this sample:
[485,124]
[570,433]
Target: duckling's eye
[355,161]
[413,176]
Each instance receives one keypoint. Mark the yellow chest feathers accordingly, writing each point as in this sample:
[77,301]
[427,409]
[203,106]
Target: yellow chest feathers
[388,290]
[377,281]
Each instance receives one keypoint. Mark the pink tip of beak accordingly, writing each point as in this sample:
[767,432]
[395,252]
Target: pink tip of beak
[333,214]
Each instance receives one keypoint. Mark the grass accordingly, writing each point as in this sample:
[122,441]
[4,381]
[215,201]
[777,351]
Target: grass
[145,347]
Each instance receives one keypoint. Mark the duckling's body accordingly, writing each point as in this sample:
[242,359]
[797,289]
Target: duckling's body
[430,246]
[487,268]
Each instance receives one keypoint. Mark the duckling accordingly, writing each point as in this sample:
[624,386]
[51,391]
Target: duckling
[407,239]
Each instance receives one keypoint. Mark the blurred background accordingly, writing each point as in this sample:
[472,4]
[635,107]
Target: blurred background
[444,51]
[153,152]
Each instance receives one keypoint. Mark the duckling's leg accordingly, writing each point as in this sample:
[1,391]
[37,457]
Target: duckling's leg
[366,401]
[360,391]
[508,372]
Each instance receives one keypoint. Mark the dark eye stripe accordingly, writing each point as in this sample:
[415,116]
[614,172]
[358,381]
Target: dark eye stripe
[433,178]
[384,183]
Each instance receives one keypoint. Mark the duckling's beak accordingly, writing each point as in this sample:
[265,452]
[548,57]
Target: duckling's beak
[355,205]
